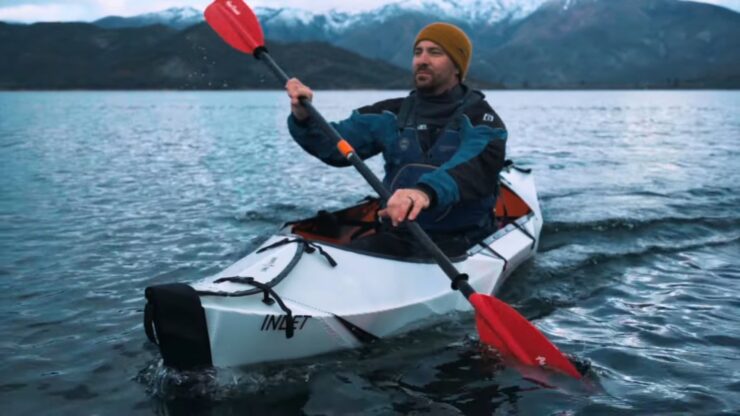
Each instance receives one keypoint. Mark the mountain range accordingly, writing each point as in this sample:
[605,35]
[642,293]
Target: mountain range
[518,44]
[85,56]
[334,22]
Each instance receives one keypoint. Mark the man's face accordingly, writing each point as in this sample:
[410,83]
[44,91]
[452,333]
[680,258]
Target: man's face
[434,71]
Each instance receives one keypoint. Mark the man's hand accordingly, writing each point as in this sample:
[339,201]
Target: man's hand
[296,90]
[405,204]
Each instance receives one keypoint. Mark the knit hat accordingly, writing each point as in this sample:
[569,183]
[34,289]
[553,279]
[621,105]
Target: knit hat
[453,40]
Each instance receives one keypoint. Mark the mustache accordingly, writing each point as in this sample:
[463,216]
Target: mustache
[421,68]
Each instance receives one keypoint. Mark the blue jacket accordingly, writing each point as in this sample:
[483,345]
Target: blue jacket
[461,166]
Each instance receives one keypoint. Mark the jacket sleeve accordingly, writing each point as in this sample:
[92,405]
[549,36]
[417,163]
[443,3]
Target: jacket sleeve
[472,172]
[364,131]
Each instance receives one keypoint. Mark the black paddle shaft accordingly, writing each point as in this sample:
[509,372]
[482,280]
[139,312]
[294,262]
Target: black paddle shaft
[459,281]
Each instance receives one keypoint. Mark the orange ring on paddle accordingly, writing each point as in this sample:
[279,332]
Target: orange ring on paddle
[345,148]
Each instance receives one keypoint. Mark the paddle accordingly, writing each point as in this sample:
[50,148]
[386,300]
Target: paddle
[499,325]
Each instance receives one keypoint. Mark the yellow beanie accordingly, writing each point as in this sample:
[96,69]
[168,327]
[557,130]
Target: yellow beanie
[453,40]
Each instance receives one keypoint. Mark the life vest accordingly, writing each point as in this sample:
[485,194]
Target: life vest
[406,162]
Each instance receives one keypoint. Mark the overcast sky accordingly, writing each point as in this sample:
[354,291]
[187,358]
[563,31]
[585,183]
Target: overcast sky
[86,10]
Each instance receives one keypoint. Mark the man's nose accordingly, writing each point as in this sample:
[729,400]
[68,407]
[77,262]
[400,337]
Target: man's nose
[421,58]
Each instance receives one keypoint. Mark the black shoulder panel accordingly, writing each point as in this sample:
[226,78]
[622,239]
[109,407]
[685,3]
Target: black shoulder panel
[483,113]
[393,105]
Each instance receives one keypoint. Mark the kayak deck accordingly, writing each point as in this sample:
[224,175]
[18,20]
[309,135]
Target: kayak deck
[338,298]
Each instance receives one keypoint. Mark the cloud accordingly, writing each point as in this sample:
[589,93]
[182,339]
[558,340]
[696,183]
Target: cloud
[43,12]
[85,10]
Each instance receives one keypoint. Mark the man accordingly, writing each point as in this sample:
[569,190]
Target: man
[443,146]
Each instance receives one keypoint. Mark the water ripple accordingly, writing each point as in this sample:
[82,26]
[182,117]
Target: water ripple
[110,192]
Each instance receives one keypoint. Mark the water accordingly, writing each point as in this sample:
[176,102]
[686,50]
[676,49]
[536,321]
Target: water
[103,194]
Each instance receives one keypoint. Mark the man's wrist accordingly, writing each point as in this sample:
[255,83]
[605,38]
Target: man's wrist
[429,192]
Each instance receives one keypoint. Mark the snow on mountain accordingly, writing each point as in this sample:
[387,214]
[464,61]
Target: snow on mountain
[473,11]
[286,23]
[176,17]
[331,22]
[288,16]
[176,13]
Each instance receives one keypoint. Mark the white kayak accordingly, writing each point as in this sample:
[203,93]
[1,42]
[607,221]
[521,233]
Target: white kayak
[302,293]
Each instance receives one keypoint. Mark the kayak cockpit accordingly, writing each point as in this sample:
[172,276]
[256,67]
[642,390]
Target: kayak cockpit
[340,227]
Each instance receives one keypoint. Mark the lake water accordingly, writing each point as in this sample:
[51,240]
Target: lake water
[105,193]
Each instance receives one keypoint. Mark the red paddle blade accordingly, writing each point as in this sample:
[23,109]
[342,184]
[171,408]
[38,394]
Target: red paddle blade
[502,327]
[235,22]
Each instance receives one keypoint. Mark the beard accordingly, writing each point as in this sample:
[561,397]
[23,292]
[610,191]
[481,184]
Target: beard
[426,81]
